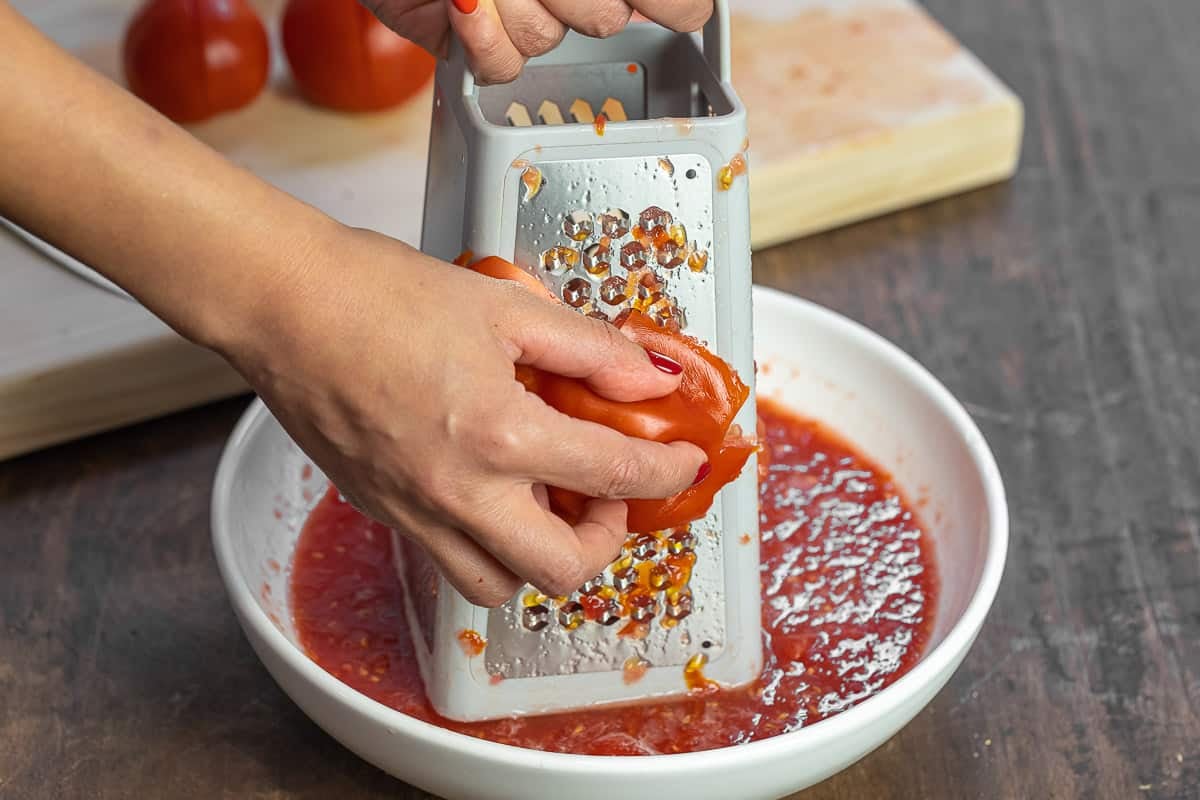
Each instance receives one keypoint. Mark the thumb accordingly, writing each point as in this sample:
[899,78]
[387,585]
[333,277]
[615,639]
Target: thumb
[558,340]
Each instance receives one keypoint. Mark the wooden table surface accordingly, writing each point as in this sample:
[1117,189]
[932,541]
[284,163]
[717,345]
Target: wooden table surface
[1061,308]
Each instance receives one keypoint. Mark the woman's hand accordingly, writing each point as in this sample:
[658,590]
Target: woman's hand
[499,35]
[395,373]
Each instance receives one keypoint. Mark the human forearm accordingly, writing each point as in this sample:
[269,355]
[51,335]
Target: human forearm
[394,371]
[84,164]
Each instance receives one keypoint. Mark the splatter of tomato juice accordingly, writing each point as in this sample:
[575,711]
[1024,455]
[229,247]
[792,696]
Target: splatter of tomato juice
[849,591]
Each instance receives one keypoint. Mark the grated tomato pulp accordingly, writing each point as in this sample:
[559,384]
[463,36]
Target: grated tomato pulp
[849,592]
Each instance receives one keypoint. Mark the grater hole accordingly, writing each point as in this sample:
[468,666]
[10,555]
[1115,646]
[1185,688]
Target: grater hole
[643,608]
[581,111]
[614,110]
[557,259]
[549,113]
[535,617]
[610,615]
[614,223]
[578,225]
[625,579]
[680,606]
[645,547]
[612,291]
[681,541]
[570,615]
[596,261]
[633,256]
[518,115]
[576,292]
[659,577]
[592,586]
[654,219]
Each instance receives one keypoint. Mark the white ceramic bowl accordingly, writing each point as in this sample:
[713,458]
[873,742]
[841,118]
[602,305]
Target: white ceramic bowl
[817,362]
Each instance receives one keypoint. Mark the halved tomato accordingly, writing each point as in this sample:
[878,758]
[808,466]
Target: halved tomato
[700,411]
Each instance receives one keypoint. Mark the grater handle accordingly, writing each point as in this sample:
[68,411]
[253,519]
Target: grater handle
[716,41]
[716,48]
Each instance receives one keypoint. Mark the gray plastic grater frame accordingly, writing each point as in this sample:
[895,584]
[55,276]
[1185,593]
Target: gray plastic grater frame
[688,115]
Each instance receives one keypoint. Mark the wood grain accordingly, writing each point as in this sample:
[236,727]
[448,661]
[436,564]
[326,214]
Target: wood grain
[1061,308]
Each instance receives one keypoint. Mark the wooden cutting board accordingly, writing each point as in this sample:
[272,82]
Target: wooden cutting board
[857,107]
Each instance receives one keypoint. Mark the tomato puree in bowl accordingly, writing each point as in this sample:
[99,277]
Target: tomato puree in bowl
[849,592]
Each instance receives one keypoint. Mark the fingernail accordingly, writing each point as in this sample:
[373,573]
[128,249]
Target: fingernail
[664,364]
[705,468]
[466,6]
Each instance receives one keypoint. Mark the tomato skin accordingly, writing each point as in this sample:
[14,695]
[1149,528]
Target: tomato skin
[345,59]
[700,411]
[663,419]
[646,516]
[193,59]
[707,382]
[503,270]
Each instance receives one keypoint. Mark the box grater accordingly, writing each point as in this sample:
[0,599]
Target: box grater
[614,170]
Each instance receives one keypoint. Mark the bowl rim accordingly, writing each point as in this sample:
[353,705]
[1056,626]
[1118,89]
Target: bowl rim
[942,658]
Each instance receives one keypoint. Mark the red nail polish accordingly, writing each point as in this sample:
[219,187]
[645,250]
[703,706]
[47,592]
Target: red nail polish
[664,364]
[705,468]
[466,6]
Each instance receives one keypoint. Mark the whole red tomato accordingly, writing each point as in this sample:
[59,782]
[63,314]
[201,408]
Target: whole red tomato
[343,58]
[700,411]
[193,59]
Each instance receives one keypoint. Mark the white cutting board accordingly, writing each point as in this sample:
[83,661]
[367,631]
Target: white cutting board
[856,107]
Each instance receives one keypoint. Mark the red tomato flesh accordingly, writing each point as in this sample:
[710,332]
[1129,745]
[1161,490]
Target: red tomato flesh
[700,411]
